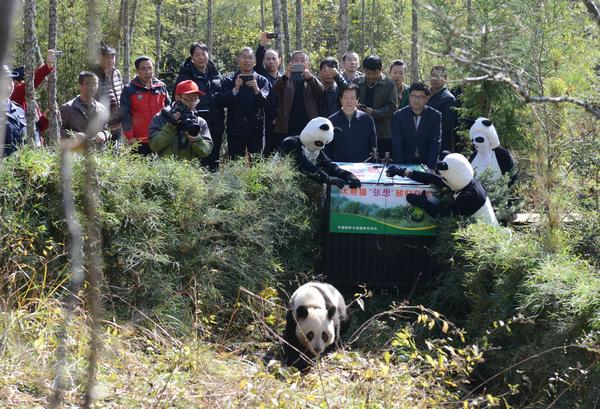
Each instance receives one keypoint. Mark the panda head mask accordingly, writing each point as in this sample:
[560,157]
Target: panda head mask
[316,134]
[455,170]
[316,328]
[484,136]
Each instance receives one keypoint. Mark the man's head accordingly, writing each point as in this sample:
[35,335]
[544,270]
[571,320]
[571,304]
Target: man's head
[438,77]
[271,60]
[325,74]
[144,67]
[107,57]
[7,77]
[88,85]
[372,66]
[349,98]
[417,96]
[188,93]
[350,61]
[397,71]
[300,57]
[199,55]
[246,60]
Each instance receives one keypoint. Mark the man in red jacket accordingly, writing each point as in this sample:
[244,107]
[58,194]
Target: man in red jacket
[18,94]
[141,99]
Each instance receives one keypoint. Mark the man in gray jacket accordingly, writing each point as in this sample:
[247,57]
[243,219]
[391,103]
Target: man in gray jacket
[377,96]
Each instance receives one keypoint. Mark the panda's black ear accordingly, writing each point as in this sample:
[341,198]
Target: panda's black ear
[331,311]
[487,122]
[301,312]
[324,127]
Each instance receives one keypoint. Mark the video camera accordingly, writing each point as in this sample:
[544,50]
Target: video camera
[188,120]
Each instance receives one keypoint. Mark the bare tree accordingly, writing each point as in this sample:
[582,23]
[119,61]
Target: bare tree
[372,29]
[262,16]
[126,43]
[414,41]
[92,32]
[286,27]
[298,24]
[276,5]
[209,27]
[53,115]
[343,23]
[30,66]
[158,7]
[133,15]
[363,23]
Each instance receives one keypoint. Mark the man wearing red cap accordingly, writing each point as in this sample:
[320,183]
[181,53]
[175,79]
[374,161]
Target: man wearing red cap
[177,130]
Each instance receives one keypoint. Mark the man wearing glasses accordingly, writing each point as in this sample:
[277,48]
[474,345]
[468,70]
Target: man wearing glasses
[416,129]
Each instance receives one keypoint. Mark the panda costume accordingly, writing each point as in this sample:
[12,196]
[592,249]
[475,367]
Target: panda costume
[307,151]
[470,198]
[488,152]
[316,318]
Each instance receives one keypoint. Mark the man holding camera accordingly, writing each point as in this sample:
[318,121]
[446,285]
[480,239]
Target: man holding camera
[333,81]
[244,94]
[177,130]
[297,91]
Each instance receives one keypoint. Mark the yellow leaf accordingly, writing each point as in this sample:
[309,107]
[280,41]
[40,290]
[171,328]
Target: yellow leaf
[445,327]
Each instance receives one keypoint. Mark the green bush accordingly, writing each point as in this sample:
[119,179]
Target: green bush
[178,241]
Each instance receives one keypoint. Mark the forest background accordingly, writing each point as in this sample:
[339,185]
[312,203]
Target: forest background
[528,301]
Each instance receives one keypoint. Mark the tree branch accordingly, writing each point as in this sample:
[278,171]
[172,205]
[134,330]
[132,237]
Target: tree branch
[593,10]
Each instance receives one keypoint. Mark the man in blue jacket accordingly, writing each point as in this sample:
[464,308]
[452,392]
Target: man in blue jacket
[357,140]
[16,125]
[244,94]
[442,100]
[416,129]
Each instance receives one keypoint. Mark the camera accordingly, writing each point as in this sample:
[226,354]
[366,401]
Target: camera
[297,67]
[187,119]
[246,78]
[58,53]
[273,35]
[296,72]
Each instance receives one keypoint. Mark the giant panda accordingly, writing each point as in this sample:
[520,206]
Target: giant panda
[488,152]
[455,172]
[316,318]
[307,151]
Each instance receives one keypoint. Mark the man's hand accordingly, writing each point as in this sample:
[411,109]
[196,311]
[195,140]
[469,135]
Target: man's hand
[193,138]
[252,84]
[332,180]
[288,70]
[395,171]
[100,137]
[307,74]
[417,200]
[264,41]
[50,58]
[238,83]
[175,118]
[353,181]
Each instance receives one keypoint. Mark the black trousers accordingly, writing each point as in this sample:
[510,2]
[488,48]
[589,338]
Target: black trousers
[237,145]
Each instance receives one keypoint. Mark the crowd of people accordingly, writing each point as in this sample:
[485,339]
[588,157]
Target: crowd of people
[374,112]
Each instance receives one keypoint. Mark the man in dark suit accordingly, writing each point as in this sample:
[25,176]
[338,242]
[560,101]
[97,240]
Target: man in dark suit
[417,129]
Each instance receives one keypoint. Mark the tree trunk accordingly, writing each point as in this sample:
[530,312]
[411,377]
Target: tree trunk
[286,28]
[53,113]
[209,28]
[30,66]
[363,34]
[92,32]
[158,4]
[276,5]
[373,27]
[414,41]
[262,16]
[126,43]
[343,23]
[6,11]
[133,14]
[298,24]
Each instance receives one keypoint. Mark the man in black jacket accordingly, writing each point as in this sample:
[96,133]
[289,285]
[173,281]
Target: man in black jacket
[443,100]
[244,94]
[204,73]
[416,129]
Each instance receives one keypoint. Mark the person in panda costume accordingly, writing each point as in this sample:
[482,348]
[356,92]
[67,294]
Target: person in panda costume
[470,198]
[316,318]
[307,151]
[488,152]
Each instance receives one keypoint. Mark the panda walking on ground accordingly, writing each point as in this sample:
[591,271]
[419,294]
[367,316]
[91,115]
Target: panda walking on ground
[307,151]
[316,318]
[470,198]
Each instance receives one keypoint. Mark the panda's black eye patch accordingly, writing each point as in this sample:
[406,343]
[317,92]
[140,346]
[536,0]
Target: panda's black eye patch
[319,143]
[487,122]
[324,127]
[479,139]
[324,336]
[310,336]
